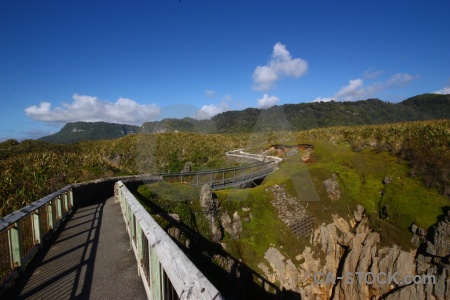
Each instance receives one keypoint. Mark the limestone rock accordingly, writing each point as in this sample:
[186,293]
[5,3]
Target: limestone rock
[233,227]
[359,213]
[210,209]
[441,237]
[280,270]
[237,225]
[187,167]
[332,187]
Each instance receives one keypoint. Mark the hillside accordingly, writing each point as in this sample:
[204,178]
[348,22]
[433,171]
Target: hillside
[387,179]
[79,131]
[290,117]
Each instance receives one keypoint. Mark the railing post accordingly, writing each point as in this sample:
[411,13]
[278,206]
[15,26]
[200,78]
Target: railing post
[71,198]
[156,276]
[15,239]
[139,247]
[181,178]
[58,208]
[223,177]
[197,179]
[37,227]
[211,178]
[234,175]
[66,201]
[50,215]
[132,227]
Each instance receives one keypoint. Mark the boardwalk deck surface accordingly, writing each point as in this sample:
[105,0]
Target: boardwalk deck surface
[89,259]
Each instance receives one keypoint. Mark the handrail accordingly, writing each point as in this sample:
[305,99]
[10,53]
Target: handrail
[241,154]
[163,266]
[23,232]
[205,172]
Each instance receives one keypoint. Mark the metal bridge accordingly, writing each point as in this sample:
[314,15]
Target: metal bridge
[223,178]
[71,244]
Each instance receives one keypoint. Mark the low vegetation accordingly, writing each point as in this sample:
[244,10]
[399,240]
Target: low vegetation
[32,169]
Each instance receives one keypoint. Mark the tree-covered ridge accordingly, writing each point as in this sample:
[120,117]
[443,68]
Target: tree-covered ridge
[291,117]
[79,131]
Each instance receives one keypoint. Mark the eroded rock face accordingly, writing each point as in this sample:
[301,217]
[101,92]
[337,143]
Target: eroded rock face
[440,237]
[352,247]
[332,187]
[210,208]
[233,227]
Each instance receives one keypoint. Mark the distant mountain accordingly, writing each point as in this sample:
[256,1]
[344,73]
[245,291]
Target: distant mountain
[325,114]
[79,131]
[284,117]
[179,125]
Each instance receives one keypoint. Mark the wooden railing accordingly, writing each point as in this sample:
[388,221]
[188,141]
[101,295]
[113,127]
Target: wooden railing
[23,232]
[166,272]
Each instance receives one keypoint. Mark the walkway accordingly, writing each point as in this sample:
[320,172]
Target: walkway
[89,258]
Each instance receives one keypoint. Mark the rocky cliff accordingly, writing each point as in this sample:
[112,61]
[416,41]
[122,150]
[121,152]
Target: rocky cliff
[350,247]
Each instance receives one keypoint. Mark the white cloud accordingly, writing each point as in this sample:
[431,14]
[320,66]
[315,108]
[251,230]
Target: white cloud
[320,99]
[91,109]
[210,93]
[209,111]
[267,101]
[370,75]
[281,64]
[400,80]
[353,91]
[444,91]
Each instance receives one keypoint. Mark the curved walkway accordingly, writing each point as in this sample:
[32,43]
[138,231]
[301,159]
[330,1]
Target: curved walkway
[89,258]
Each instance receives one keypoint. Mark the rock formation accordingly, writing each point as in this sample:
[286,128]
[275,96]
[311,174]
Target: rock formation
[233,227]
[332,186]
[352,247]
[187,167]
[210,209]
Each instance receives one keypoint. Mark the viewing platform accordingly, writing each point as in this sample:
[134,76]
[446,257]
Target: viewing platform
[95,240]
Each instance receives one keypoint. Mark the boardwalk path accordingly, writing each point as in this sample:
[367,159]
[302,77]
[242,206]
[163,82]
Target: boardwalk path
[89,258]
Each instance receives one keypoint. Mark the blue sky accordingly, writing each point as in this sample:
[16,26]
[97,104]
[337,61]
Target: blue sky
[136,61]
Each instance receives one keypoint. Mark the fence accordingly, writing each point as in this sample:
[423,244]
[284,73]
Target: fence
[221,178]
[23,232]
[166,272]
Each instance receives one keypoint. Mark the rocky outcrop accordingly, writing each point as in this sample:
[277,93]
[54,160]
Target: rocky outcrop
[352,247]
[440,237]
[187,167]
[332,187]
[232,226]
[210,209]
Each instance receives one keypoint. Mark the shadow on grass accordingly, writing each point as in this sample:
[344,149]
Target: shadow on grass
[240,282]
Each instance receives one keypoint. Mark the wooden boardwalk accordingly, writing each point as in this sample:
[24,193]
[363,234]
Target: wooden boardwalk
[89,258]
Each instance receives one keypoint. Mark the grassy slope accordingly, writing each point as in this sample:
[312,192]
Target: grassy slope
[360,177]
[361,156]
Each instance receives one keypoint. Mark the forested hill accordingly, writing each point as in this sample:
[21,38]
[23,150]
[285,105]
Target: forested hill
[325,114]
[79,131]
[285,117]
